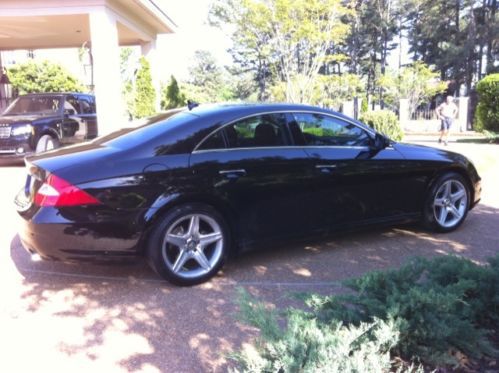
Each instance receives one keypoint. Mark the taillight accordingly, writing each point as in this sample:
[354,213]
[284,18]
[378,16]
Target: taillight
[58,192]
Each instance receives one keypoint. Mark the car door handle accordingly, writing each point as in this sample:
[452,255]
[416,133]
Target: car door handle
[326,168]
[233,174]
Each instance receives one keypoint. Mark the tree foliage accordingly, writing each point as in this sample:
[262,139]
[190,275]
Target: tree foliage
[417,83]
[45,76]
[172,97]
[487,112]
[145,95]
[285,42]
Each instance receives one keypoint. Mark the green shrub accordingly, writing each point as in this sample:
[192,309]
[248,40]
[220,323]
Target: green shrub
[306,344]
[487,111]
[426,311]
[384,121]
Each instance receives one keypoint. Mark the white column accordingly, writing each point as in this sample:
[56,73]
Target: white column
[149,51]
[107,80]
[462,116]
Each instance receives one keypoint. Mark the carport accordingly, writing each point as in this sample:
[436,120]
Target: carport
[103,24]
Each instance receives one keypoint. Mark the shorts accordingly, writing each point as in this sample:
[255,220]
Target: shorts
[446,124]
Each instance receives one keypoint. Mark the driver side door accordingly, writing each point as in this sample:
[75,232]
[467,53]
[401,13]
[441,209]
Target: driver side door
[354,182]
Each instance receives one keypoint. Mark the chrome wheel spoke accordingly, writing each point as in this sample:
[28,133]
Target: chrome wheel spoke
[193,226]
[202,260]
[208,239]
[176,240]
[447,189]
[454,211]
[442,216]
[439,202]
[182,257]
[458,195]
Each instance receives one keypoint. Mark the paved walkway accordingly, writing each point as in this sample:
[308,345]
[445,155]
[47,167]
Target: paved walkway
[79,318]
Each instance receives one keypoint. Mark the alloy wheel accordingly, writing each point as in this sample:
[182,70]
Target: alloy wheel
[193,245]
[450,203]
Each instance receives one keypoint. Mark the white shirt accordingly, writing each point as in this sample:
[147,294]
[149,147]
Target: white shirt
[447,110]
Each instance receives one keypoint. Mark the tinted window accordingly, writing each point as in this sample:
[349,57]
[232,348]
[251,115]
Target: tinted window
[72,104]
[87,105]
[34,104]
[215,141]
[266,130]
[322,130]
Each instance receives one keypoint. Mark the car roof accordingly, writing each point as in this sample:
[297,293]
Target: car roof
[57,94]
[242,109]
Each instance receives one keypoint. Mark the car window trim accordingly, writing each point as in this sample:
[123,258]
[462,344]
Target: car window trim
[286,147]
[370,131]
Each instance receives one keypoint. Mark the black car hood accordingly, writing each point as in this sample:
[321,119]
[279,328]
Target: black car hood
[22,119]
[427,153]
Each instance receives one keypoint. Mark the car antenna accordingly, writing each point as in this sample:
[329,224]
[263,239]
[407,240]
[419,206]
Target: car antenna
[191,104]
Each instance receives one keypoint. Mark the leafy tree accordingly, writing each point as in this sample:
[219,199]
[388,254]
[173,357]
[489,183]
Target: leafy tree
[45,76]
[145,95]
[283,41]
[172,97]
[416,82]
[207,82]
[127,72]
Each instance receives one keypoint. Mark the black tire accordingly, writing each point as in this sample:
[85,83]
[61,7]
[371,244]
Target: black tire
[46,143]
[162,255]
[436,194]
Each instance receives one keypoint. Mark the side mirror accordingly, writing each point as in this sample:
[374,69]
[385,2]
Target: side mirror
[381,141]
[68,112]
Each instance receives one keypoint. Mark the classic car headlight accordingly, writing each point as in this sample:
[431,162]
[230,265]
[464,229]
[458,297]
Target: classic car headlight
[21,130]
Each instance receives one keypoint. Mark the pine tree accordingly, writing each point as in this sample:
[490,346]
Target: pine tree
[145,95]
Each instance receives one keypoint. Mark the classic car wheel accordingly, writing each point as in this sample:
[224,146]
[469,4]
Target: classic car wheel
[46,143]
[189,245]
[447,203]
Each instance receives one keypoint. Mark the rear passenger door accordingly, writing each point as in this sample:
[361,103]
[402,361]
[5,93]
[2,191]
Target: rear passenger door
[253,165]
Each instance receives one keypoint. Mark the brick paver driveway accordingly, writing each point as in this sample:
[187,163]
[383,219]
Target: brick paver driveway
[68,318]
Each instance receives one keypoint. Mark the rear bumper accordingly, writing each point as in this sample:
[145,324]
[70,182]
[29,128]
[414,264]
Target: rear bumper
[54,238]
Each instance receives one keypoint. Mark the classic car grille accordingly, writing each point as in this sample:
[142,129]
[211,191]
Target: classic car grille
[4,132]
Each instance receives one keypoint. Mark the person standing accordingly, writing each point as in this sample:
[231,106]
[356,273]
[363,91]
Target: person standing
[446,112]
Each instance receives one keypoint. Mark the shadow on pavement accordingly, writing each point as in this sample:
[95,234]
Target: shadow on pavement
[128,314]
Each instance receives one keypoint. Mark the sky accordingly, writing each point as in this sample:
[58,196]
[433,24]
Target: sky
[193,33]
[176,50]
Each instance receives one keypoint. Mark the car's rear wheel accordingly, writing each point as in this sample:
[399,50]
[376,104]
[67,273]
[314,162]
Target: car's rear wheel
[189,245]
[46,143]
[447,203]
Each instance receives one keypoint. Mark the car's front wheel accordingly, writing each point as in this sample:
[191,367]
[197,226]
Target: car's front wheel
[46,143]
[447,203]
[189,245]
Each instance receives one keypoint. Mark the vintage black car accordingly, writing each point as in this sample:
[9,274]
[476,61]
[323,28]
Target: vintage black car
[193,186]
[43,121]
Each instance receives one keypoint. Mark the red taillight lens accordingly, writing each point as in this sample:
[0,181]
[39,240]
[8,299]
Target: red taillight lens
[57,192]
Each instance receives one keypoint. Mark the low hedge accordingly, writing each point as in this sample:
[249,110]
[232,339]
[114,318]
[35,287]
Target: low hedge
[384,121]
[427,312]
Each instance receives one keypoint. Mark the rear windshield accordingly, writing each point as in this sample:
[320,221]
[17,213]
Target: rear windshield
[152,129]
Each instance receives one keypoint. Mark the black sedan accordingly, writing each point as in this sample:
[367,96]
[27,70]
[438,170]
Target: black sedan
[190,187]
